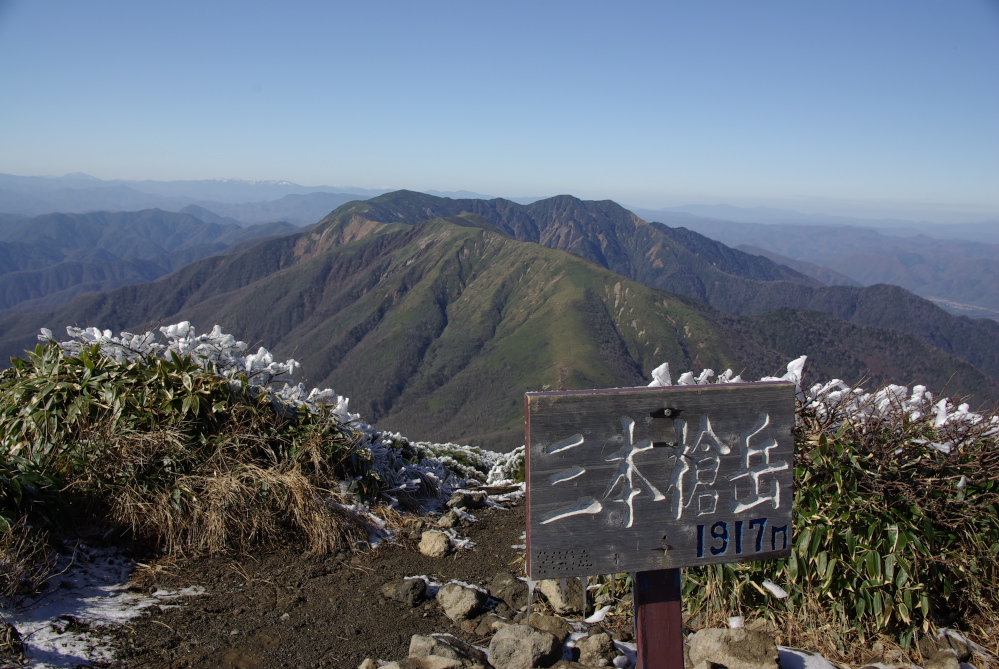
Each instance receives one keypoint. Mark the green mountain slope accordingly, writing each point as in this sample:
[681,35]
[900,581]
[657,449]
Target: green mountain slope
[677,260]
[437,329]
[603,232]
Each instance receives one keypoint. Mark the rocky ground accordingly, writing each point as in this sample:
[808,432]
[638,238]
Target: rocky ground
[281,609]
[404,599]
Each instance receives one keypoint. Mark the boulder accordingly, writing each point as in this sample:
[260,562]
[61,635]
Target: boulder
[460,602]
[596,650]
[409,591]
[435,544]
[523,647]
[551,624]
[368,663]
[734,649]
[509,589]
[569,602]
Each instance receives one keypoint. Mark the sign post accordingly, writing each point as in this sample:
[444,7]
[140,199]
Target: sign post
[648,480]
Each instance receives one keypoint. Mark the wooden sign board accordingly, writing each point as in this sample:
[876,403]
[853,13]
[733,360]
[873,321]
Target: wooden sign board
[639,479]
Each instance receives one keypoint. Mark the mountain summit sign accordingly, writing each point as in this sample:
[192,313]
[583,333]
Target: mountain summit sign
[642,479]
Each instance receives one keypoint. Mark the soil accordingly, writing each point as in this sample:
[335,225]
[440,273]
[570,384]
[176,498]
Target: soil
[278,608]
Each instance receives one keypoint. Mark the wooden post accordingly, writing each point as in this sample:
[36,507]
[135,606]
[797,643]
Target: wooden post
[658,625]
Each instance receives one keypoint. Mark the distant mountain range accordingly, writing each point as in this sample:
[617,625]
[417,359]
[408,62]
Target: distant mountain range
[48,260]
[960,275]
[435,315]
[986,230]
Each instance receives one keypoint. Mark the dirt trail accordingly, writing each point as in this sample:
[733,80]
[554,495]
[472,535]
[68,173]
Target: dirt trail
[276,608]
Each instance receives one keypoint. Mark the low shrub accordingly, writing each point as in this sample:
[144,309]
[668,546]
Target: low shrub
[896,526]
[175,455]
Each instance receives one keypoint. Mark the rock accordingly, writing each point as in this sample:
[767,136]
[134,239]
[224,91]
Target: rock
[566,664]
[551,624]
[460,603]
[734,648]
[425,646]
[450,519]
[446,647]
[368,664]
[467,500]
[435,544]
[570,602]
[509,589]
[596,650]
[945,658]
[409,591]
[523,647]
[486,625]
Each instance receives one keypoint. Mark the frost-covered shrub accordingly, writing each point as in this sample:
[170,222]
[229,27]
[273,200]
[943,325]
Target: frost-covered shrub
[184,440]
[896,521]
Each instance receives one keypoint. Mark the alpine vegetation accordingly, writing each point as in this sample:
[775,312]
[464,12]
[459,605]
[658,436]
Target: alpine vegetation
[189,444]
[182,443]
[896,524]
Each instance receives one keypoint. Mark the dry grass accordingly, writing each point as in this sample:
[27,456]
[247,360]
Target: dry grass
[25,561]
[229,495]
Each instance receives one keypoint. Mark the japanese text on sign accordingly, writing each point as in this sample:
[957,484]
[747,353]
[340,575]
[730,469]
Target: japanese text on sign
[634,479]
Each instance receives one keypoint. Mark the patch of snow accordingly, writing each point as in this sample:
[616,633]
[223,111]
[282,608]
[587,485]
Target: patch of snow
[62,626]
[598,615]
[795,658]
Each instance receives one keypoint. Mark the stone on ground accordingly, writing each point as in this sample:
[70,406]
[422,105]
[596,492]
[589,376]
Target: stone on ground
[446,646]
[368,663]
[523,647]
[489,623]
[945,658]
[510,589]
[596,650]
[460,603]
[409,591]
[551,624]
[450,519]
[425,646]
[734,649]
[435,544]
[563,603]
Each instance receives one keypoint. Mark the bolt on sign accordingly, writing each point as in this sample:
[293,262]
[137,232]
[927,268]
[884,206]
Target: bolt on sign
[640,479]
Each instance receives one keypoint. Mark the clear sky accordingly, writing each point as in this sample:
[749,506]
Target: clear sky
[648,103]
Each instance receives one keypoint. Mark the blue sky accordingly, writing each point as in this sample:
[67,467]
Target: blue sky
[814,104]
